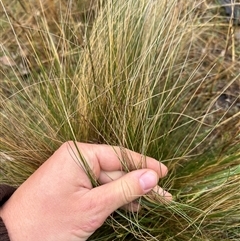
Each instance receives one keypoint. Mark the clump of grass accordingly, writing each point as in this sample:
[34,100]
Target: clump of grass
[140,74]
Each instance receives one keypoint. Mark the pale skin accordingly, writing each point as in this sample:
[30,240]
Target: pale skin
[59,203]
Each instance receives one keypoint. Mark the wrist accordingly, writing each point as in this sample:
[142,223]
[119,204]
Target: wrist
[11,214]
[16,214]
[3,230]
[5,193]
[4,225]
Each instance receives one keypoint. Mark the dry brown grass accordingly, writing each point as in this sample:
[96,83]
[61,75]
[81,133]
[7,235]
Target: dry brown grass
[158,77]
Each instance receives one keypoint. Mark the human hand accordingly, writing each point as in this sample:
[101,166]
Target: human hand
[59,203]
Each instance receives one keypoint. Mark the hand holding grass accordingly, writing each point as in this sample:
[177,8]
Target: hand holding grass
[58,202]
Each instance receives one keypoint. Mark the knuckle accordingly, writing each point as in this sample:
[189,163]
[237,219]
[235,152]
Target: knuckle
[66,145]
[66,151]
[69,147]
[95,218]
[92,224]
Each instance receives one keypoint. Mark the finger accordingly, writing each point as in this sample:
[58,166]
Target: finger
[113,158]
[157,191]
[160,193]
[113,195]
[106,177]
[132,207]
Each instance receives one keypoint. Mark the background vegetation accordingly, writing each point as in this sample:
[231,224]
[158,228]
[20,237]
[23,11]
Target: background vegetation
[158,77]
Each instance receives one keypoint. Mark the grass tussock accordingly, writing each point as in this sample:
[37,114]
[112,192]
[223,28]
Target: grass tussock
[158,77]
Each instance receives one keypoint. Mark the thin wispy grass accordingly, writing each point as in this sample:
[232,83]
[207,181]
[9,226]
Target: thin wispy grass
[151,76]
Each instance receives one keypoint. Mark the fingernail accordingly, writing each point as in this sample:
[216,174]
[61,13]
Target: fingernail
[148,180]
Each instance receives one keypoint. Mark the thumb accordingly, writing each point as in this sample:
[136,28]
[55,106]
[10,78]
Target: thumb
[122,191]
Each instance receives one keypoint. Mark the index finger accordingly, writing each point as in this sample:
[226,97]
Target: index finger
[113,158]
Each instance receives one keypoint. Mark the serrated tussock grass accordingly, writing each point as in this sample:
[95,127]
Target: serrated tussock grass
[139,74]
